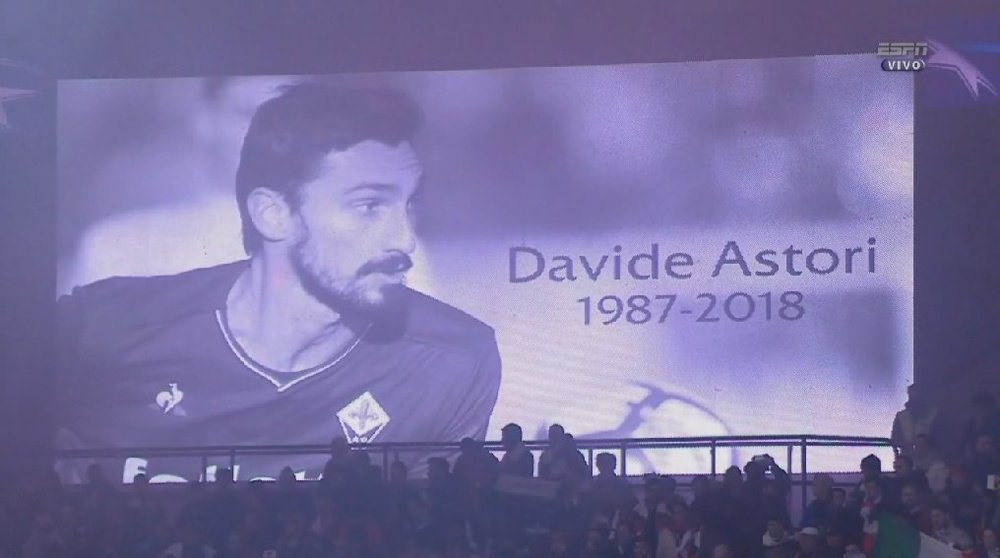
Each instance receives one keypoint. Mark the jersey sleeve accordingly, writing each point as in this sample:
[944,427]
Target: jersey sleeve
[476,404]
[71,382]
[475,391]
[69,325]
[69,358]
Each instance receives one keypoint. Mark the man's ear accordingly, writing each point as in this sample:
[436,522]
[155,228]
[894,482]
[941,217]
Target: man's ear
[271,215]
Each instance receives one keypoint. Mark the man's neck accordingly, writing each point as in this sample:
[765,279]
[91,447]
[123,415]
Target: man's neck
[278,323]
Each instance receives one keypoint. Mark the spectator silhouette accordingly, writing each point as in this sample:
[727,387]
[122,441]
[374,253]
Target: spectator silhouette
[905,472]
[192,543]
[517,460]
[989,546]
[475,468]
[985,459]
[224,509]
[444,502]
[917,417]
[610,492]
[819,512]
[915,510]
[290,498]
[926,459]
[297,541]
[340,455]
[947,532]
[766,496]
[808,541]
[963,500]
[557,435]
[985,419]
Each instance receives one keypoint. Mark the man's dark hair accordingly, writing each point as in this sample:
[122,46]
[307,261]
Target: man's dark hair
[838,490]
[871,461]
[513,430]
[906,459]
[290,134]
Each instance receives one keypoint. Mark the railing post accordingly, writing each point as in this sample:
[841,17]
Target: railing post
[788,469]
[623,460]
[204,467]
[385,463]
[590,459]
[712,450]
[232,460]
[805,478]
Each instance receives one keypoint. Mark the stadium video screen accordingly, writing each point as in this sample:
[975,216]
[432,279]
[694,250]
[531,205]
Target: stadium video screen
[650,250]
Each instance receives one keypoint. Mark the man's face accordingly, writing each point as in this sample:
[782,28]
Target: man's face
[776,530]
[821,486]
[901,466]
[909,497]
[837,498]
[939,519]
[354,225]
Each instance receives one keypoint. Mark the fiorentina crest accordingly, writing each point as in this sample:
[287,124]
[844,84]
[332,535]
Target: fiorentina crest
[363,419]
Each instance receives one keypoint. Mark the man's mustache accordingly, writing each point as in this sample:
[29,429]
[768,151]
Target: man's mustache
[396,263]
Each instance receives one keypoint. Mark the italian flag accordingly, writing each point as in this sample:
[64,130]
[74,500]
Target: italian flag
[897,539]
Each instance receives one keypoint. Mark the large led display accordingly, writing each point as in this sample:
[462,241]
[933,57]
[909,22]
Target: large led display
[655,250]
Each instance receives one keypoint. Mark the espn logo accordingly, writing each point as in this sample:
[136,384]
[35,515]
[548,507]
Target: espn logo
[893,54]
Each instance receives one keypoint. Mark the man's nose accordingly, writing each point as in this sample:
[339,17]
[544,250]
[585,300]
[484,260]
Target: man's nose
[403,237]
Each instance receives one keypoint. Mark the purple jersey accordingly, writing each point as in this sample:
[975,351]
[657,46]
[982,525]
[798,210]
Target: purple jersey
[150,362]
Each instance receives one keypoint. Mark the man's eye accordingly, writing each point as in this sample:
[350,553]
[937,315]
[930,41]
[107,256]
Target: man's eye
[369,207]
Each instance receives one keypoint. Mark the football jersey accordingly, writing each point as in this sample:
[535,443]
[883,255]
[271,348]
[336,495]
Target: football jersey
[150,363]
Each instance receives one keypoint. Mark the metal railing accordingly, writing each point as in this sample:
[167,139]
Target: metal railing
[391,452]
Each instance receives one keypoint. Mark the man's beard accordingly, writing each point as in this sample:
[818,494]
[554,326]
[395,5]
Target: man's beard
[350,297]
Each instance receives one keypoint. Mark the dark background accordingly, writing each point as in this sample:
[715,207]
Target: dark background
[957,146]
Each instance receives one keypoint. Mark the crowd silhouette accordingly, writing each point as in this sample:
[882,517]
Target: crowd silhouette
[482,506]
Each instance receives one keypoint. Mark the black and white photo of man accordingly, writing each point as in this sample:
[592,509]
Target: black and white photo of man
[314,336]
